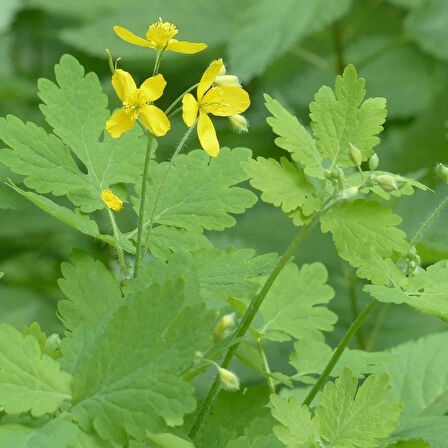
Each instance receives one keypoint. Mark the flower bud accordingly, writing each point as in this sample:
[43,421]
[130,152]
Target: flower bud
[53,343]
[374,161]
[355,155]
[227,80]
[386,182]
[238,123]
[350,192]
[222,71]
[112,201]
[228,379]
[442,172]
[227,321]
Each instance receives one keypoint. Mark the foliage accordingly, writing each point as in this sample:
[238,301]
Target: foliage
[116,318]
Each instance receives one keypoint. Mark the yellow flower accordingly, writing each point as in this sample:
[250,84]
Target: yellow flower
[112,201]
[136,103]
[222,101]
[160,37]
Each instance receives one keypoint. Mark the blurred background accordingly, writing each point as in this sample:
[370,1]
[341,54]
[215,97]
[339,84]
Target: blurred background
[287,48]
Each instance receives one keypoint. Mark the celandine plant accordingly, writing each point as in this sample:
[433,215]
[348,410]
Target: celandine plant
[135,345]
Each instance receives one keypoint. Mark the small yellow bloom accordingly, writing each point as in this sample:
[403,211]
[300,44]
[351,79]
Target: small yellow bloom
[222,101]
[112,201]
[136,103]
[160,37]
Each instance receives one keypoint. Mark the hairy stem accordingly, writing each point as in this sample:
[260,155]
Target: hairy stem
[429,220]
[244,325]
[352,280]
[141,212]
[171,106]
[269,379]
[338,352]
[377,326]
[120,253]
[179,148]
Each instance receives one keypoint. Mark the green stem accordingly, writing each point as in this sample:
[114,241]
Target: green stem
[377,326]
[312,58]
[338,352]
[429,220]
[175,112]
[179,148]
[141,213]
[352,280]
[244,325]
[157,63]
[388,46]
[338,47]
[171,106]
[266,366]
[117,241]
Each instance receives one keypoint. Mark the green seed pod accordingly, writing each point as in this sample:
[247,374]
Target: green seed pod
[228,379]
[386,182]
[374,161]
[442,172]
[355,155]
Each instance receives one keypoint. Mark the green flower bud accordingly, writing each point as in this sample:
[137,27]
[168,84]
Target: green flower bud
[227,80]
[442,172]
[238,123]
[355,155]
[227,321]
[228,379]
[386,182]
[374,161]
[350,192]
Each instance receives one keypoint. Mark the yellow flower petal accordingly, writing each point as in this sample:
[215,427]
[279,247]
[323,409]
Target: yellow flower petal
[207,135]
[152,89]
[155,120]
[160,33]
[126,35]
[209,77]
[121,121]
[123,84]
[185,47]
[190,109]
[112,201]
[224,101]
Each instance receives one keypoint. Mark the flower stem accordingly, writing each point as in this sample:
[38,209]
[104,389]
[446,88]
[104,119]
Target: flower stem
[141,213]
[429,220]
[179,148]
[120,253]
[269,379]
[171,106]
[157,63]
[338,352]
[245,323]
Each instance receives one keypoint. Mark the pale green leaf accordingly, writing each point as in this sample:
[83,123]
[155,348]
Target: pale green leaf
[363,232]
[76,110]
[198,192]
[127,382]
[293,305]
[29,381]
[92,292]
[294,138]
[340,118]
[166,440]
[349,417]
[297,429]
[282,184]
[427,290]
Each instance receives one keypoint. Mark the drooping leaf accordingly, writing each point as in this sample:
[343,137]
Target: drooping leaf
[29,381]
[127,382]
